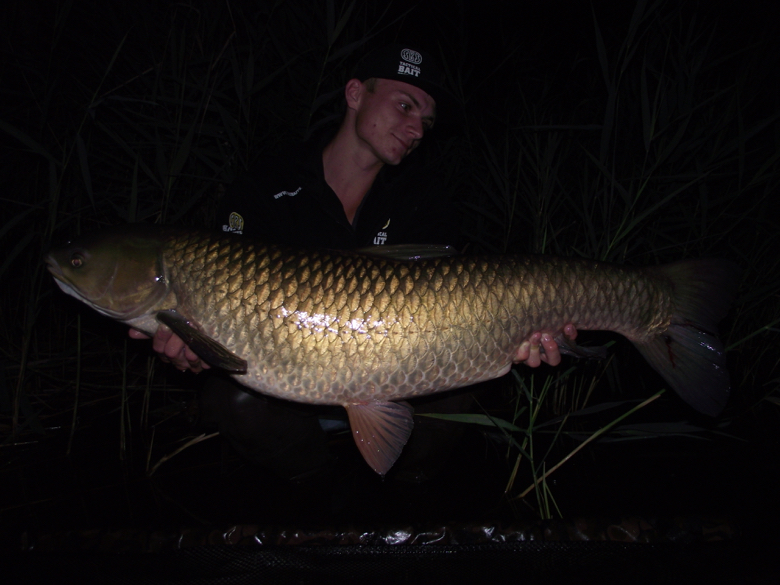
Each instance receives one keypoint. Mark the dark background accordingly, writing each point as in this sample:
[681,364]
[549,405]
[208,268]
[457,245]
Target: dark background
[97,99]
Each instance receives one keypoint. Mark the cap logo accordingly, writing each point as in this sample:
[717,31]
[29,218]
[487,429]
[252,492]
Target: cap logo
[411,56]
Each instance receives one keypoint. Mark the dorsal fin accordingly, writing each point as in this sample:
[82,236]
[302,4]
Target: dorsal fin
[408,251]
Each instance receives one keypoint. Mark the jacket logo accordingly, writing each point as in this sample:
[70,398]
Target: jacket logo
[235,224]
[288,193]
[381,236]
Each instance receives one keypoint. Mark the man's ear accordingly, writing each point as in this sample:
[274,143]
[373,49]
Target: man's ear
[353,92]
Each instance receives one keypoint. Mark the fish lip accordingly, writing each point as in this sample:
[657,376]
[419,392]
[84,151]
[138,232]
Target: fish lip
[51,263]
[59,277]
[53,267]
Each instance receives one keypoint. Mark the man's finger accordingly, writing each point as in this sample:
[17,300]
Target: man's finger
[196,364]
[160,340]
[552,355]
[522,352]
[534,357]
[135,334]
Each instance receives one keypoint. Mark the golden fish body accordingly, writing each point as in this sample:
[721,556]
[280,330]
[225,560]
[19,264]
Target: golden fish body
[361,331]
[331,328]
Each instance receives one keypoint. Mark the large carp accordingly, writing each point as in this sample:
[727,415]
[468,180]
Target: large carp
[364,331]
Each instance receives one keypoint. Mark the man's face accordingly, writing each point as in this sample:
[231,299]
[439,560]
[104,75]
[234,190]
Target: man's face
[392,119]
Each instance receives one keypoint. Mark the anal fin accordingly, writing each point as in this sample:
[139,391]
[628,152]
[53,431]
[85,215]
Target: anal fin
[380,430]
[570,347]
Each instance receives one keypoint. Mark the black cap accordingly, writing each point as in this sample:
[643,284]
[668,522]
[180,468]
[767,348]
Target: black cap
[410,65]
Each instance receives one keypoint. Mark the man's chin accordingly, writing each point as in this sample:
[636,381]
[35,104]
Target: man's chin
[395,159]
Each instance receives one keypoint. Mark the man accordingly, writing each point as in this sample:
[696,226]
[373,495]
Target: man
[342,192]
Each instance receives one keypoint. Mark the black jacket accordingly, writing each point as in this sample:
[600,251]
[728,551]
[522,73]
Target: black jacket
[285,200]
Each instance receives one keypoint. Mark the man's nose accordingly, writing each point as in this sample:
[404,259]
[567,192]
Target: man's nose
[415,128]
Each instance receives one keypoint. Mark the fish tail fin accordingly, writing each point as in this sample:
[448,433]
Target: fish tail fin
[689,355]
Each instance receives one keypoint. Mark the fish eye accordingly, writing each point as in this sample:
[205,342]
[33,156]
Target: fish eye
[77,260]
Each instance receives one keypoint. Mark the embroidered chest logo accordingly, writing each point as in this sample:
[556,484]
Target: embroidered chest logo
[381,236]
[288,193]
[235,224]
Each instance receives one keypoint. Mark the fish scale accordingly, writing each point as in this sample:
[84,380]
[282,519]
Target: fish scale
[366,331]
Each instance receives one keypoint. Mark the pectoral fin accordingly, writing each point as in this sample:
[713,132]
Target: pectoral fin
[205,347]
[380,430]
[569,347]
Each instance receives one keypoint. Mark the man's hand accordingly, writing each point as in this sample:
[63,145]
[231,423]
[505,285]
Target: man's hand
[172,349]
[529,351]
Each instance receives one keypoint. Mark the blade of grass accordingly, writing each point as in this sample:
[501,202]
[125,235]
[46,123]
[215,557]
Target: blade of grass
[590,439]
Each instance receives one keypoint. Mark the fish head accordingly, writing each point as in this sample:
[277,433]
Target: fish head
[118,272]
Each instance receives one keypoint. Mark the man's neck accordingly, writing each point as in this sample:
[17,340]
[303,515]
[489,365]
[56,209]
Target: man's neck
[349,170]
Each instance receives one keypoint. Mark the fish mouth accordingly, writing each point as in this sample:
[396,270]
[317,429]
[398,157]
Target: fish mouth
[59,277]
[53,266]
